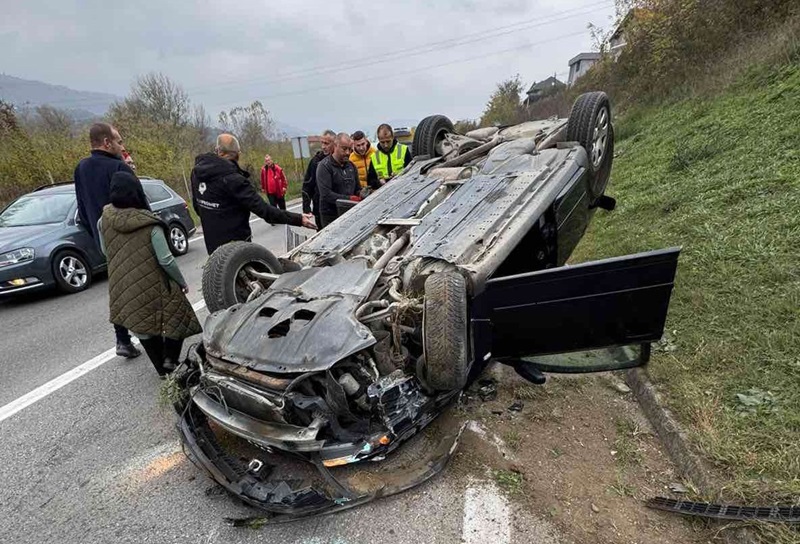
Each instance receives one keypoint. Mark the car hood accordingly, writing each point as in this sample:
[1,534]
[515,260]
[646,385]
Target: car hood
[16,237]
[305,322]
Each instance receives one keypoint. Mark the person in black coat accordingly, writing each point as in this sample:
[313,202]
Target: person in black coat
[310,188]
[337,178]
[223,197]
[92,189]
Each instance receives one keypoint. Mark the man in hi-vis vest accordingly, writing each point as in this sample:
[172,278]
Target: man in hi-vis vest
[390,156]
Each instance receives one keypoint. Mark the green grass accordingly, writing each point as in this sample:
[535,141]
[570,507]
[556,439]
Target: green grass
[509,480]
[721,178]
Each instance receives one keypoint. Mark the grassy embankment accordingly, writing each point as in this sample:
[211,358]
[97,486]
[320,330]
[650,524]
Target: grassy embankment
[720,176]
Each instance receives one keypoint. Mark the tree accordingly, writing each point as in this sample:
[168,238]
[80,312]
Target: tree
[154,99]
[463,126]
[504,106]
[253,125]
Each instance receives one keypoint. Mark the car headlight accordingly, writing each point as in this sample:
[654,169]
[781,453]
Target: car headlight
[17,256]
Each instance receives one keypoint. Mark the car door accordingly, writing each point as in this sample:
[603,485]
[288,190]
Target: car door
[80,235]
[614,302]
[158,197]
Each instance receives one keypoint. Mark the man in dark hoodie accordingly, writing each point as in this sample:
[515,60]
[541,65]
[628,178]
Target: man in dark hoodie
[223,197]
[92,189]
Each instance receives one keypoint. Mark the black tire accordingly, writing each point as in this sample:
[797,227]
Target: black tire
[590,125]
[220,286]
[428,133]
[178,239]
[444,327]
[71,271]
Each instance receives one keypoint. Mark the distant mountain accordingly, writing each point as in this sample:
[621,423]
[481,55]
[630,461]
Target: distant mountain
[26,93]
[289,130]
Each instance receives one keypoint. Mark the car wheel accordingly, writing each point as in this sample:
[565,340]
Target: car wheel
[429,132]
[444,326]
[225,282]
[590,125]
[178,240]
[71,272]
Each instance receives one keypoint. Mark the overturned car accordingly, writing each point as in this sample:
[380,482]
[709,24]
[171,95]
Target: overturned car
[358,338]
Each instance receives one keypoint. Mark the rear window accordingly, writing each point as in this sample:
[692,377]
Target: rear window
[156,192]
[36,209]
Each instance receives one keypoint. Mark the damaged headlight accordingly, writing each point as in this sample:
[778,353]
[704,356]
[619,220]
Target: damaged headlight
[17,256]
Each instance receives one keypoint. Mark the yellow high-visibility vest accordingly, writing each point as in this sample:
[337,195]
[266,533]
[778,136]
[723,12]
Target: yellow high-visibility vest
[398,161]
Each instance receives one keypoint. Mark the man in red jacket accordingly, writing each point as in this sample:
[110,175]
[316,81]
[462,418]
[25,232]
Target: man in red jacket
[273,182]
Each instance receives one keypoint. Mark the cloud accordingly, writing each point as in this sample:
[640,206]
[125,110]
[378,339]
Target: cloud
[303,60]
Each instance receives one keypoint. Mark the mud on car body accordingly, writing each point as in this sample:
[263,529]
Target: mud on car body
[358,338]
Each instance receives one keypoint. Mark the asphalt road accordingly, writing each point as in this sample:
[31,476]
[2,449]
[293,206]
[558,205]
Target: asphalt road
[98,460]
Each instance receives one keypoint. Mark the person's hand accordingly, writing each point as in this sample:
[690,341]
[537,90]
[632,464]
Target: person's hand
[308,221]
[355,198]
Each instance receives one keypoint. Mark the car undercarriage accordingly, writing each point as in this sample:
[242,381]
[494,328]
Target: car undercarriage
[360,337]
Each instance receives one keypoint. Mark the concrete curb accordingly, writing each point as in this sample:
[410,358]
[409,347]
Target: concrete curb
[676,442]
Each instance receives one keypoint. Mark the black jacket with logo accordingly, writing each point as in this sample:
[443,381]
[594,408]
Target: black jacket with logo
[335,181]
[223,197]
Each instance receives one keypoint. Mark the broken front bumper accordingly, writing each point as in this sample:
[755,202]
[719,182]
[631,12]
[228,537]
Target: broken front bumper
[290,497]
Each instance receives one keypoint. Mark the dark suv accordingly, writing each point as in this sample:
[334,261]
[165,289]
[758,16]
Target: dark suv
[43,244]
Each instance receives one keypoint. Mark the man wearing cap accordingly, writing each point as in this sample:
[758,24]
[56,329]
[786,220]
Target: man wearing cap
[223,197]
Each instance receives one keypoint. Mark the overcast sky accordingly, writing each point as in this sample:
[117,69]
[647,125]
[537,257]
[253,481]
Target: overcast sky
[314,65]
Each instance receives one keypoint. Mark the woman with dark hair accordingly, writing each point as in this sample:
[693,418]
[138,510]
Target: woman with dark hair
[147,292]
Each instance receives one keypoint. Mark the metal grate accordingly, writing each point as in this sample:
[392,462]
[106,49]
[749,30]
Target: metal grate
[784,514]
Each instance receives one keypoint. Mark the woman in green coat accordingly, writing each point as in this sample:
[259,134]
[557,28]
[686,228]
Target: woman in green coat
[147,292]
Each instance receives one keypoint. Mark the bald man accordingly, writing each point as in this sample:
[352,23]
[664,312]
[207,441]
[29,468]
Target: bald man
[223,197]
[337,178]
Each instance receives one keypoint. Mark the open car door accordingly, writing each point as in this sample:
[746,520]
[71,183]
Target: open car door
[601,304]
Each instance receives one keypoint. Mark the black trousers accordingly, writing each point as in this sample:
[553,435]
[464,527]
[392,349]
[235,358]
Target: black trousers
[278,201]
[160,350]
[122,334]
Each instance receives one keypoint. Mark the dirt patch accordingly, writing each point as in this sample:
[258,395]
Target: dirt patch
[579,453]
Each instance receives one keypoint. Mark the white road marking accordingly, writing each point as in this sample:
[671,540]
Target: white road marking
[486,515]
[68,377]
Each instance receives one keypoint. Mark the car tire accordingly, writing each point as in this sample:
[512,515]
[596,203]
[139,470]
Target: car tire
[428,133]
[590,125]
[71,271]
[178,239]
[444,326]
[222,287]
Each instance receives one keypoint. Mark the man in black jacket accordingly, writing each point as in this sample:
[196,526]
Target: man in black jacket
[310,189]
[223,197]
[337,178]
[92,187]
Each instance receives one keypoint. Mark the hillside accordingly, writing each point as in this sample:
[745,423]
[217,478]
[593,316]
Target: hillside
[28,93]
[720,176]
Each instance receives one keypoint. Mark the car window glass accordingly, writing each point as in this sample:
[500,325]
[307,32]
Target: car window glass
[155,192]
[36,209]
